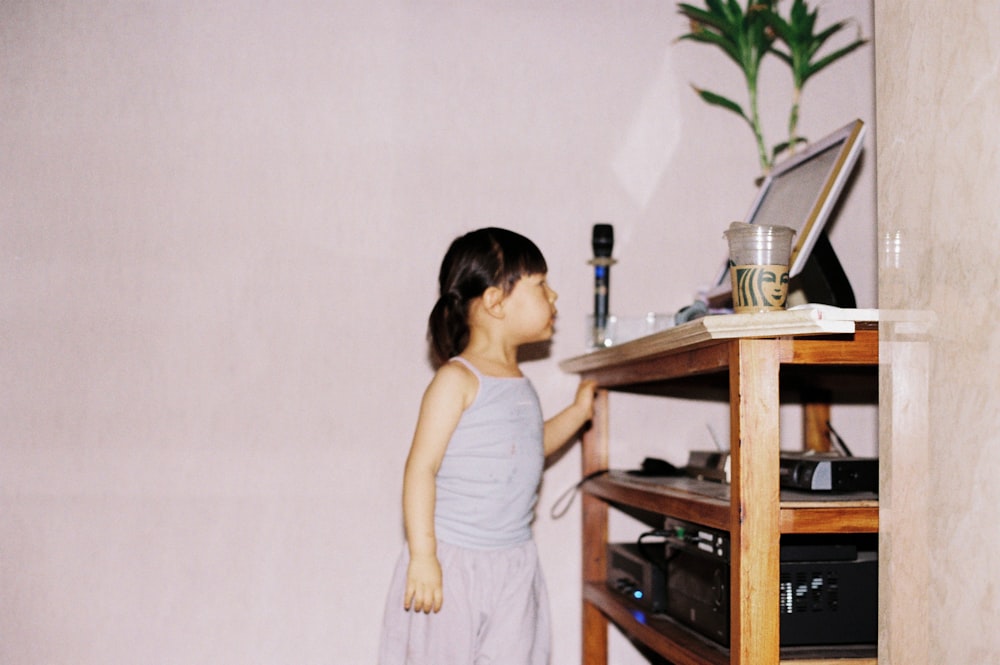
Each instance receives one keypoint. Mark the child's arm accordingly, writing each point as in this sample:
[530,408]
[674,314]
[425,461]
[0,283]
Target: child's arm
[447,396]
[562,426]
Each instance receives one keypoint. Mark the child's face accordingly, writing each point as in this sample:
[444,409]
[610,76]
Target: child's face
[531,306]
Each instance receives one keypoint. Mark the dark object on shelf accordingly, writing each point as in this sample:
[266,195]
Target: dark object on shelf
[828,588]
[637,573]
[817,472]
[823,279]
[708,465]
[656,467]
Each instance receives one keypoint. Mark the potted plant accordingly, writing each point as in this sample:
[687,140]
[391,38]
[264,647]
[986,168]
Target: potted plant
[747,34]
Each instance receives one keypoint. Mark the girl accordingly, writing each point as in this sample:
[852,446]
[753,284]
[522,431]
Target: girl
[468,589]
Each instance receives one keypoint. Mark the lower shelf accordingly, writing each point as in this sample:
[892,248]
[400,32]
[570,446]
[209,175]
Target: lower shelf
[684,647]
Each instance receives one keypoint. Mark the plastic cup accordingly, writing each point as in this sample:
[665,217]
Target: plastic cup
[758,266]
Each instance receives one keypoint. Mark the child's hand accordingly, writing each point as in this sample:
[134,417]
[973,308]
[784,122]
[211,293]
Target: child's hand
[560,428]
[423,584]
[585,398]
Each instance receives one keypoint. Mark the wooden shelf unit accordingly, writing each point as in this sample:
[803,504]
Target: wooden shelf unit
[749,353]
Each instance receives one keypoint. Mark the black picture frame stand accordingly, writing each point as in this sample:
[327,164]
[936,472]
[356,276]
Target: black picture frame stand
[823,280]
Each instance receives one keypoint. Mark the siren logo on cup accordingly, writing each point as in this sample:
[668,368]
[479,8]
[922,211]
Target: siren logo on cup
[759,256]
[759,288]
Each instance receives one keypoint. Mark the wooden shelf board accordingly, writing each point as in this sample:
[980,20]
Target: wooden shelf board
[841,517]
[662,635]
[709,329]
[707,502]
[679,497]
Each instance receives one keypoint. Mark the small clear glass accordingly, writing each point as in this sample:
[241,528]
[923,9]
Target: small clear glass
[621,329]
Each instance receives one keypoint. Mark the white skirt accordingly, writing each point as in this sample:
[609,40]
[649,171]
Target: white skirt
[495,611]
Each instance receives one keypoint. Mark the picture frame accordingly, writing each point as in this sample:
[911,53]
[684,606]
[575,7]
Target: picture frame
[800,193]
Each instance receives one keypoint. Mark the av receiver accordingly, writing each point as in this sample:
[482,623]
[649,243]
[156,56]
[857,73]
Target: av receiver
[827,594]
[638,574]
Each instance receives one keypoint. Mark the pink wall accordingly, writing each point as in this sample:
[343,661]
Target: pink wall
[220,225]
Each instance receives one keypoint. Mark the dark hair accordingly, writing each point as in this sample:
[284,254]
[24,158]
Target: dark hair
[473,263]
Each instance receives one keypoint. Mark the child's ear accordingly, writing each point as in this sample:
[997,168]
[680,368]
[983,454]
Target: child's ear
[493,301]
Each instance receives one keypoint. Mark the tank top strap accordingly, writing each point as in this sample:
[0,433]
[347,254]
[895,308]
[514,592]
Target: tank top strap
[469,366]
[475,372]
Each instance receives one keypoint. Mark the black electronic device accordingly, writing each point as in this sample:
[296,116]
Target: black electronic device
[708,465]
[827,593]
[820,472]
[654,467]
[637,572]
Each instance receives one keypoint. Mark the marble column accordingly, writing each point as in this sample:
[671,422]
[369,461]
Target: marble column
[938,171]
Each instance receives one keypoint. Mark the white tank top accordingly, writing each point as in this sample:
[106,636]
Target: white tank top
[488,481]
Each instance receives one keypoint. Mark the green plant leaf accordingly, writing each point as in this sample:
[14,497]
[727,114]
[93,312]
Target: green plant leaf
[717,40]
[716,99]
[784,146]
[784,57]
[822,63]
[747,32]
[712,27]
[715,19]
